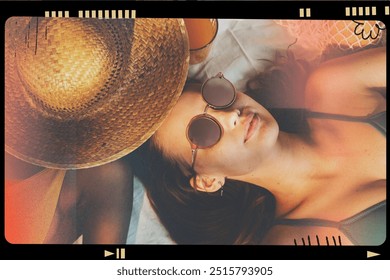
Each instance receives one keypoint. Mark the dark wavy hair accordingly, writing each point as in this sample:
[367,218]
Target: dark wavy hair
[245,213]
[242,215]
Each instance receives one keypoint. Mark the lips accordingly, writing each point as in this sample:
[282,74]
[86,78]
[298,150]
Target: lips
[251,125]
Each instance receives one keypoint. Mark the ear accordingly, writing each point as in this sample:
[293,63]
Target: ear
[206,183]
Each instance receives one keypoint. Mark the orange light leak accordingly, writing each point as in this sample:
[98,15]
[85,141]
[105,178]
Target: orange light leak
[200,32]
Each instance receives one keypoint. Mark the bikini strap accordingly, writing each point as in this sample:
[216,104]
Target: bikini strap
[321,115]
[329,223]
[376,120]
[307,222]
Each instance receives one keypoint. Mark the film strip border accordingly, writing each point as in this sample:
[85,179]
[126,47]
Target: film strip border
[100,14]
[349,11]
[112,14]
[303,12]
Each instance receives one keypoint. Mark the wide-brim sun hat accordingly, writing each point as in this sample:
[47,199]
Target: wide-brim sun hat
[84,92]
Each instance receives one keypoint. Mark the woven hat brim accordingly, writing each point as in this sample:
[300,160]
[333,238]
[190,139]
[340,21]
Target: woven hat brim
[144,94]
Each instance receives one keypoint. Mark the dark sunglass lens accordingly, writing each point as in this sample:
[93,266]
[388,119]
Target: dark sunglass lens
[218,92]
[204,132]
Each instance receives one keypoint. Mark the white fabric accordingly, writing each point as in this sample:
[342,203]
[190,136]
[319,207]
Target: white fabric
[241,48]
[150,229]
[145,227]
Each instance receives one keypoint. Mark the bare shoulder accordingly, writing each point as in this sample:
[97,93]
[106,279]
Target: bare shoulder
[305,236]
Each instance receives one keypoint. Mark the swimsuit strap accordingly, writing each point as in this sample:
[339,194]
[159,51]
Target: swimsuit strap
[321,115]
[364,213]
[307,222]
[328,223]
[376,120]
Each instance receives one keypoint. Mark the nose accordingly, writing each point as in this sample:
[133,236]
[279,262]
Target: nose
[228,118]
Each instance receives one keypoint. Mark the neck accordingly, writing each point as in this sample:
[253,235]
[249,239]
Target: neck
[289,172]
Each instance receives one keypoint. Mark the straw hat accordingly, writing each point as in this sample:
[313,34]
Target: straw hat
[84,92]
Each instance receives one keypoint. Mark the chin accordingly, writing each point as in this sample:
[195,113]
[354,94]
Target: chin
[269,133]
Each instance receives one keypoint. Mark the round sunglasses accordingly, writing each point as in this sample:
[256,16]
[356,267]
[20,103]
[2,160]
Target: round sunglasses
[203,130]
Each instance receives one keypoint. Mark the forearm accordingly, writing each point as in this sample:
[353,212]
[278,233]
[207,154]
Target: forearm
[349,84]
[366,69]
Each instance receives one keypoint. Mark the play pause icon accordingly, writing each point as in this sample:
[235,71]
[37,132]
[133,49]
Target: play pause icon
[107,253]
[120,253]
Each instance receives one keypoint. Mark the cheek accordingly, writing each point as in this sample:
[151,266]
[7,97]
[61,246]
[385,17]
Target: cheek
[231,158]
[238,163]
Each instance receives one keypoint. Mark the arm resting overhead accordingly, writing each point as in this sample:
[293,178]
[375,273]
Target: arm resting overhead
[350,81]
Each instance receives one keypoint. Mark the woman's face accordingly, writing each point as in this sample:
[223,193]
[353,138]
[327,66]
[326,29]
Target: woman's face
[249,133]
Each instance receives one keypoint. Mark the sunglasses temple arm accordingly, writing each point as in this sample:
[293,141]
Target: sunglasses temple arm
[194,152]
